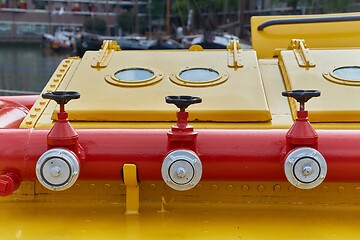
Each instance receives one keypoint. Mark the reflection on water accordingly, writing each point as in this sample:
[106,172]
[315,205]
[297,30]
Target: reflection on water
[26,67]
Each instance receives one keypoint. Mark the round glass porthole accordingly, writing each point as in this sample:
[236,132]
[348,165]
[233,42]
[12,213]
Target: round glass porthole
[198,77]
[134,77]
[347,75]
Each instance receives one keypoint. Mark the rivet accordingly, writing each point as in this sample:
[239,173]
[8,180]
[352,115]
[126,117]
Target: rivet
[28,187]
[122,187]
[77,186]
[261,188]
[229,188]
[152,187]
[67,61]
[107,186]
[28,122]
[59,75]
[42,102]
[65,65]
[198,187]
[341,189]
[56,80]
[292,188]
[277,188]
[214,187]
[37,109]
[52,85]
[33,115]
[62,70]
[92,186]
[49,90]
[245,188]
[325,189]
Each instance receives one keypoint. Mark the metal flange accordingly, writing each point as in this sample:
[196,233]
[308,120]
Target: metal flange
[305,168]
[181,169]
[57,169]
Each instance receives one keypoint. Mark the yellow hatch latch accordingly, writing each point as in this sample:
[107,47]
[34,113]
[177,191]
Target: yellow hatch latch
[132,188]
[302,54]
[107,49]
[234,54]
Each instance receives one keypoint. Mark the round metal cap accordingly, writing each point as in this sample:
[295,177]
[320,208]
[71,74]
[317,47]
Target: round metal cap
[57,169]
[305,168]
[181,170]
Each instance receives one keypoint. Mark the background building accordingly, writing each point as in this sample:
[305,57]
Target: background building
[29,19]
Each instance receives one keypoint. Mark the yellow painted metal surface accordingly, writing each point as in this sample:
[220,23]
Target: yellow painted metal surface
[230,101]
[317,35]
[338,102]
[214,210]
[273,81]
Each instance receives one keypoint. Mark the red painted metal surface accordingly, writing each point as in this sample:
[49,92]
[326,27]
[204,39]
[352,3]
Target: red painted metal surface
[26,100]
[11,114]
[62,134]
[246,155]
[182,135]
[301,133]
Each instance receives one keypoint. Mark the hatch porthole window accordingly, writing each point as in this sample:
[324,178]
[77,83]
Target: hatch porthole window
[346,75]
[198,77]
[134,77]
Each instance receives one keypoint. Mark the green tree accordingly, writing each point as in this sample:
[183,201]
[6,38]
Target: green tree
[126,21]
[95,25]
[335,6]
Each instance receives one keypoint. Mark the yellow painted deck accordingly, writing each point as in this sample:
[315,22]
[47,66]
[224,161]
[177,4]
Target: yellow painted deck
[213,210]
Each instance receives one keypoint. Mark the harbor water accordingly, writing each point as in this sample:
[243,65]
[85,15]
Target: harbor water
[26,68]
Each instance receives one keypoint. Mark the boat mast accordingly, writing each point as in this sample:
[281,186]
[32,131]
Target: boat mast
[168,17]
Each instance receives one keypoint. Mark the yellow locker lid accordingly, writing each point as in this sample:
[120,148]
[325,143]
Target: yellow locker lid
[336,73]
[132,86]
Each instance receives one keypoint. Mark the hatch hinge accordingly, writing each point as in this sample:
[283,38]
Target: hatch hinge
[302,54]
[107,49]
[235,59]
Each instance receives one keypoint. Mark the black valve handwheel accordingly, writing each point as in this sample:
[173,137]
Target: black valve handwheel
[302,96]
[61,97]
[182,102]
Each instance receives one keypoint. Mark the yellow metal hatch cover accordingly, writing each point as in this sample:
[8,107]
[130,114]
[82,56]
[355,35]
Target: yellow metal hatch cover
[133,86]
[335,73]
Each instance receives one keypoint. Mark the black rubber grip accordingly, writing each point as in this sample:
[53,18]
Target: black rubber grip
[183,102]
[61,97]
[286,21]
[302,96]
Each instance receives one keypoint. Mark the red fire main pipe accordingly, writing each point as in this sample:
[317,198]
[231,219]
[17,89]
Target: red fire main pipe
[246,155]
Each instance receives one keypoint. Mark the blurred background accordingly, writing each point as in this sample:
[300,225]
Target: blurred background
[35,35]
